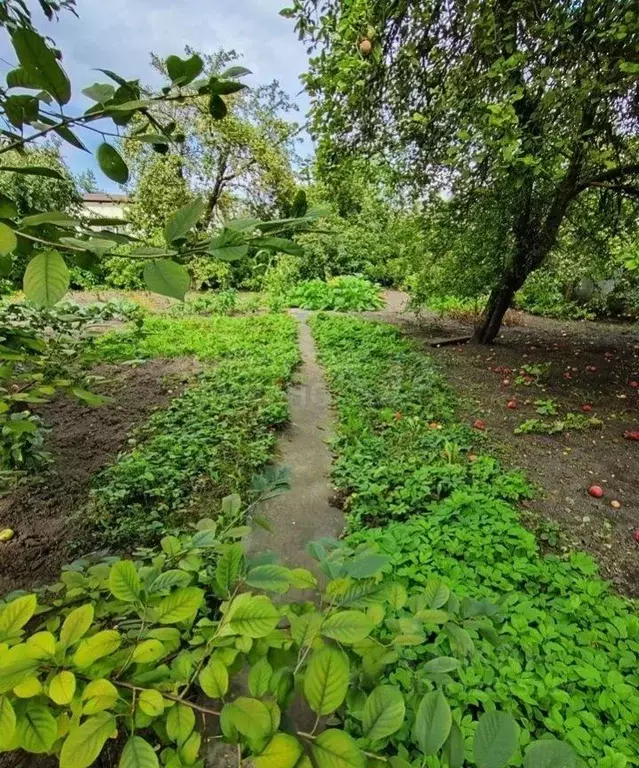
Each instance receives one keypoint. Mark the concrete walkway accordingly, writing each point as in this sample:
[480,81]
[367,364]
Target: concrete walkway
[303,513]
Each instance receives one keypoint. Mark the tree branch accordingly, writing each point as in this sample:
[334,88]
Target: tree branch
[614,173]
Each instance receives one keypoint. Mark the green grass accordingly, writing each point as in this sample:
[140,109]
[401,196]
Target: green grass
[212,438]
[567,661]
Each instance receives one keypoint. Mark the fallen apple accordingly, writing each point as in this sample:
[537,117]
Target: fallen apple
[586,408]
[6,534]
[637,535]
[615,504]
[596,491]
[633,384]
[505,383]
[365,47]
[631,435]
[512,404]
[479,424]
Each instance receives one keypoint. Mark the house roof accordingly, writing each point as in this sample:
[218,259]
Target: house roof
[104,197]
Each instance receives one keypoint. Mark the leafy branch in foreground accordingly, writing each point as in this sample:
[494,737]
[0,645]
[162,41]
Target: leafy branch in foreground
[126,650]
[42,112]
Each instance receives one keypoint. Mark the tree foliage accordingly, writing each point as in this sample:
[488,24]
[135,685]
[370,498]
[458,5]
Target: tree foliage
[516,109]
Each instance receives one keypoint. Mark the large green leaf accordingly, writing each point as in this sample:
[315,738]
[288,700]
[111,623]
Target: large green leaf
[46,278]
[228,567]
[33,170]
[214,679]
[181,605]
[432,722]
[273,578]
[496,740]
[217,107]
[62,687]
[112,164]
[138,753]
[383,712]
[180,722]
[326,680]
[37,729]
[40,64]
[100,92]
[454,748]
[8,240]
[167,278]
[21,110]
[16,664]
[366,565]
[347,627]
[550,753]
[259,678]
[251,616]
[280,244]
[59,218]
[124,581]
[95,647]
[17,613]
[7,722]
[182,221]
[184,71]
[305,628]
[84,743]
[250,717]
[436,593]
[20,78]
[77,624]
[336,749]
[229,245]
[282,751]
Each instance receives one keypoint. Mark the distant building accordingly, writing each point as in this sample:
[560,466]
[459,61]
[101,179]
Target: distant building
[104,205]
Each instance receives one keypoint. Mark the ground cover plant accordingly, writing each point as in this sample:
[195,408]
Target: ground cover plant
[211,438]
[569,658]
[342,294]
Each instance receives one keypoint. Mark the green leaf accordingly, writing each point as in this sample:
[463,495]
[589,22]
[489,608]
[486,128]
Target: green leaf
[383,713]
[250,717]
[460,640]
[84,744]
[40,64]
[496,740]
[229,245]
[302,579]
[228,567]
[225,87]
[347,627]
[151,702]
[46,279]
[95,647]
[242,225]
[70,137]
[167,278]
[305,628]
[17,613]
[21,109]
[62,687]
[217,107]
[168,580]
[7,722]
[138,753]
[20,78]
[326,680]
[436,593]
[8,209]
[214,679]
[182,221]
[37,729]
[366,565]
[273,578]
[58,218]
[181,605]
[180,722]
[33,170]
[336,749]
[190,750]
[112,164]
[16,664]
[148,651]
[8,240]
[124,581]
[454,748]
[184,71]
[278,244]
[432,722]
[441,665]
[550,753]
[259,678]
[251,616]
[99,695]
[236,71]
[76,624]
[100,92]
[282,751]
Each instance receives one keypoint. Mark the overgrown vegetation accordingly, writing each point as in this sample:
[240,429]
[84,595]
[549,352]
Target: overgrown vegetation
[212,438]
[342,294]
[569,657]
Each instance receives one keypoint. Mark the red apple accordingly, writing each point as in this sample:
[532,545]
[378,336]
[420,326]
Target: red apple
[631,435]
[596,491]
[586,408]
[479,424]
[633,384]
[512,404]
[637,535]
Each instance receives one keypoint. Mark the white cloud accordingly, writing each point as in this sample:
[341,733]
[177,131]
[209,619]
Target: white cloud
[120,34]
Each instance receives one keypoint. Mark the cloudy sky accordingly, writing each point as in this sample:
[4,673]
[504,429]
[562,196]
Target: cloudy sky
[119,34]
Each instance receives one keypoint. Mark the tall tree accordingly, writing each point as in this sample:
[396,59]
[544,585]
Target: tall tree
[519,106]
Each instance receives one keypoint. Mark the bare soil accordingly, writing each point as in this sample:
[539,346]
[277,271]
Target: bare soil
[44,513]
[565,465]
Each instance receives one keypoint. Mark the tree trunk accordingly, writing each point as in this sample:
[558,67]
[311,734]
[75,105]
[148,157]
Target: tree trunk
[500,300]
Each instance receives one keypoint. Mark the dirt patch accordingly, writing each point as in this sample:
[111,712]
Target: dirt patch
[590,364]
[82,440]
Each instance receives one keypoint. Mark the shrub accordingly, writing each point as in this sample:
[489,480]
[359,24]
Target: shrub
[342,294]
